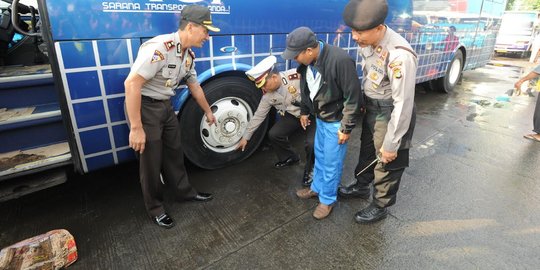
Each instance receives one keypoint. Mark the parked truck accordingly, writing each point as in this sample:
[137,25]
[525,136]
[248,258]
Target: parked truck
[517,33]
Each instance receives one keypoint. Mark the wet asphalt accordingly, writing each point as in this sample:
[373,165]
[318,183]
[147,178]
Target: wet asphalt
[469,200]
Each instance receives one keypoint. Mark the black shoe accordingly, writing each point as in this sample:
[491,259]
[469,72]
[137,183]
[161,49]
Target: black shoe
[202,197]
[354,191]
[164,221]
[307,179]
[288,162]
[372,213]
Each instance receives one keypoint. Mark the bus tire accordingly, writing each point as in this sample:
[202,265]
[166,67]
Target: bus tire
[233,101]
[452,76]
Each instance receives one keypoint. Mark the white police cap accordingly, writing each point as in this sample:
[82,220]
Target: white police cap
[259,72]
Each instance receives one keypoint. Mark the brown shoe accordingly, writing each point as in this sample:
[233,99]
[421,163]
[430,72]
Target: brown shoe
[322,211]
[306,193]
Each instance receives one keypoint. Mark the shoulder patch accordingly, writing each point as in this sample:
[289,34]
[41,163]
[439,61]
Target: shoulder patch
[397,73]
[395,64]
[169,44]
[294,76]
[158,56]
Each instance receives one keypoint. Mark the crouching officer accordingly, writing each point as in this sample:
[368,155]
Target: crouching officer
[389,73]
[281,91]
[162,63]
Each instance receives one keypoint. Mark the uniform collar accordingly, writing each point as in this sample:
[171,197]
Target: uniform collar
[386,38]
[284,79]
[177,43]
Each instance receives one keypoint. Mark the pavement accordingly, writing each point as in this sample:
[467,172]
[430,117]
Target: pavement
[469,200]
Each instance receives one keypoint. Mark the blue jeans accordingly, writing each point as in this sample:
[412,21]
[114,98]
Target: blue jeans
[329,156]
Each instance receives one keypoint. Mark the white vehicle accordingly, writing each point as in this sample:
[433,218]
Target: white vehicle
[517,32]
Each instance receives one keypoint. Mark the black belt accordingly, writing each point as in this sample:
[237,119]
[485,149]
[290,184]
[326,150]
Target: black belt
[145,98]
[378,102]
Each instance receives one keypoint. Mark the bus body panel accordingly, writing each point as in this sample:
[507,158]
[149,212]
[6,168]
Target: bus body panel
[94,43]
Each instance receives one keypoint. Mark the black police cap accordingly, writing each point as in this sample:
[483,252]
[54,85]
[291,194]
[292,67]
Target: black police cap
[365,14]
[199,15]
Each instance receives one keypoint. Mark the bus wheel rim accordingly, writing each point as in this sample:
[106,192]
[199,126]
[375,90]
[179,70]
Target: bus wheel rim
[232,117]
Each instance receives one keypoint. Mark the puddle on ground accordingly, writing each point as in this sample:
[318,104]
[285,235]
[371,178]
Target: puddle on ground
[481,102]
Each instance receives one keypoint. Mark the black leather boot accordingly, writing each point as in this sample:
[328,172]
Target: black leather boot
[370,214]
[164,221]
[288,162]
[355,191]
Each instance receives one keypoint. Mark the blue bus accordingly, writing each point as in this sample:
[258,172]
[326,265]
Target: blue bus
[63,63]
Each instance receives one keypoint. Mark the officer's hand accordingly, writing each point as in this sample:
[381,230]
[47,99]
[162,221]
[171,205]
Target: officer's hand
[137,139]
[304,121]
[210,119]
[342,137]
[242,144]
[517,87]
[387,157]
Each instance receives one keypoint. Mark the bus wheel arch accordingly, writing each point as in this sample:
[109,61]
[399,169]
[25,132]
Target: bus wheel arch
[452,76]
[233,100]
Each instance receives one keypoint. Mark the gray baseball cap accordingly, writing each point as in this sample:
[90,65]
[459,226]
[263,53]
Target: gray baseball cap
[199,15]
[298,40]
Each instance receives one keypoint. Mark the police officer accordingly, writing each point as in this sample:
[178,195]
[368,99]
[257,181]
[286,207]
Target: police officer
[162,63]
[389,73]
[281,91]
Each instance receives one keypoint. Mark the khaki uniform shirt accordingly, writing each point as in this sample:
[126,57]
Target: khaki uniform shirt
[389,72]
[285,99]
[162,64]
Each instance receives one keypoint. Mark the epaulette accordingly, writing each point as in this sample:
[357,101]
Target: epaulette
[294,76]
[407,49]
[192,54]
[169,44]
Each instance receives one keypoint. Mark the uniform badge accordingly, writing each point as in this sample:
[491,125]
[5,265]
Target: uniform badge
[374,86]
[379,62]
[384,54]
[168,83]
[188,62]
[378,49]
[294,76]
[169,45]
[397,73]
[395,64]
[171,66]
[375,77]
[292,89]
[178,48]
[158,56]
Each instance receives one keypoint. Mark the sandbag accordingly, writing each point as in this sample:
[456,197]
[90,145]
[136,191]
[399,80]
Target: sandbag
[53,250]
